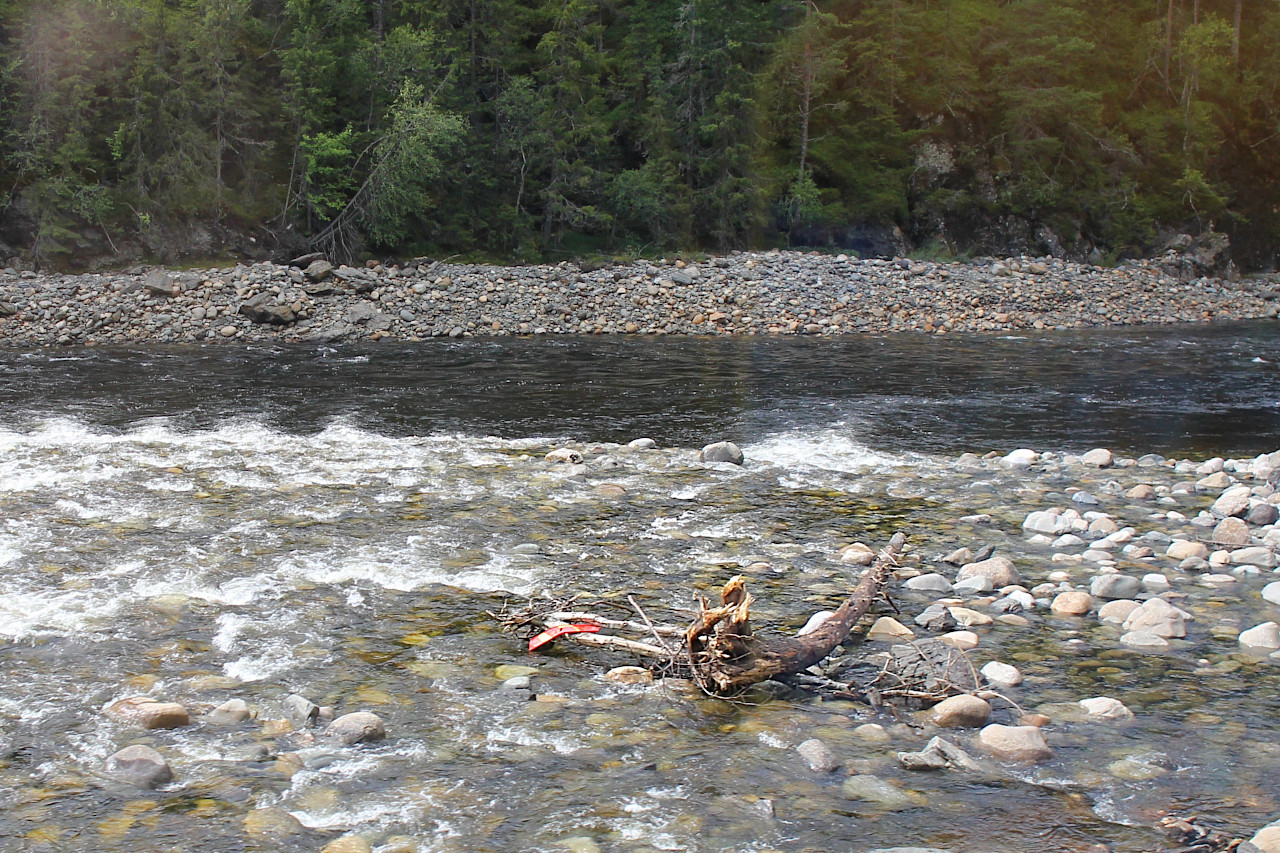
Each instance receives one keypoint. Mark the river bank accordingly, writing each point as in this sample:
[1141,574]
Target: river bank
[746,293]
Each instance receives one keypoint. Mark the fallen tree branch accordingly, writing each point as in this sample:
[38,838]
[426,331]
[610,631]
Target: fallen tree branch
[719,650]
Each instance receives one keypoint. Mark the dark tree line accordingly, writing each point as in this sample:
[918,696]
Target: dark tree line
[526,127]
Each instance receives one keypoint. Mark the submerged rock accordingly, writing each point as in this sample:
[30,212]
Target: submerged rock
[963,711]
[150,714]
[358,727]
[140,766]
[818,755]
[1015,743]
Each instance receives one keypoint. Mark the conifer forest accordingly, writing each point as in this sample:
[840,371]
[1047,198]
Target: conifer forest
[536,129]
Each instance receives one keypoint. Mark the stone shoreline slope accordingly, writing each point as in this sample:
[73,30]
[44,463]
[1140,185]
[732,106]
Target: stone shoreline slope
[745,293]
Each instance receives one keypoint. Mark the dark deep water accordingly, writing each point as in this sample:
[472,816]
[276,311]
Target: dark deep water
[1205,389]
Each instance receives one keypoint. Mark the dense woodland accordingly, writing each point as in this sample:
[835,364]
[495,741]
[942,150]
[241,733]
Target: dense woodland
[533,128]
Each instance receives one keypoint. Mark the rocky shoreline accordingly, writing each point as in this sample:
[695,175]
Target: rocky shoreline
[745,293]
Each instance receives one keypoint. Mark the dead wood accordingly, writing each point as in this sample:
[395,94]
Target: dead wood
[719,649]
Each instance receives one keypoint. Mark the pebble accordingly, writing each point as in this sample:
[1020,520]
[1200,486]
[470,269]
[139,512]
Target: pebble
[1072,603]
[1116,612]
[1001,674]
[229,713]
[962,640]
[1265,636]
[1112,587]
[140,766]
[1158,617]
[1015,743]
[1144,641]
[147,713]
[1182,549]
[722,451]
[1105,709]
[1271,593]
[874,790]
[347,844]
[999,570]
[818,755]
[629,675]
[932,582]
[962,711]
[1231,531]
[886,628]
[357,727]
[1098,458]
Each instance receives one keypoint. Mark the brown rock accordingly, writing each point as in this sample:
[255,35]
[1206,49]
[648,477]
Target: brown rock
[1014,743]
[1073,602]
[963,711]
[1231,531]
[147,713]
[999,569]
[360,727]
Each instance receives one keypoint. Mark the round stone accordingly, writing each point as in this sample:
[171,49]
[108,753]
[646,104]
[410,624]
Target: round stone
[722,451]
[1265,637]
[818,755]
[1075,602]
[1105,709]
[359,727]
[1231,531]
[999,570]
[963,711]
[1015,743]
[1001,674]
[1144,641]
[1181,549]
[1098,458]
[147,713]
[140,766]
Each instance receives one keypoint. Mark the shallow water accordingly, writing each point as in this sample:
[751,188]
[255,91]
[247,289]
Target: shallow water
[216,523]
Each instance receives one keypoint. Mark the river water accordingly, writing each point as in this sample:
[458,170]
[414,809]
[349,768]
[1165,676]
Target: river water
[201,524]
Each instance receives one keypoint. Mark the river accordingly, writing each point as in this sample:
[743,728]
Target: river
[202,524]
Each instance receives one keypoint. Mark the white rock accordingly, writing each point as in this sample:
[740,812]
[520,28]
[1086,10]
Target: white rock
[815,622]
[1234,501]
[1264,636]
[1155,582]
[889,629]
[999,569]
[1159,617]
[1271,593]
[818,756]
[969,586]
[1002,674]
[1014,743]
[1254,556]
[962,640]
[1099,457]
[932,582]
[1045,521]
[969,618]
[1105,709]
[1181,549]
[1021,458]
[1116,612]
[1067,540]
[1144,641]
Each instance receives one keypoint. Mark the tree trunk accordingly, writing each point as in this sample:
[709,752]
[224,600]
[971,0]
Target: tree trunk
[728,658]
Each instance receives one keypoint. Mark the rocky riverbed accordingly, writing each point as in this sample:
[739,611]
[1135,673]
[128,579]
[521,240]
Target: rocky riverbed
[745,293]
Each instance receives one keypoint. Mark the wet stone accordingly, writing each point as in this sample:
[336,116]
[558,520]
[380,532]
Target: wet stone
[1144,641]
[348,844]
[230,713]
[874,790]
[1105,709]
[1072,603]
[963,711]
[1015,743]
[999,570]
[1231,531]
[1001,674]
[147,713]
[140,766]
[722,451]
[818,755]
[358,727]
[1114,586]
[300,711]
[1265,636]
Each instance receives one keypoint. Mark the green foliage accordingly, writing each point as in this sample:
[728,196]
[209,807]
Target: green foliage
[530,126]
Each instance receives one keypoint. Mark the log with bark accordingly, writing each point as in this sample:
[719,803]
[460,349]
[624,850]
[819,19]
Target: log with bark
[720,650]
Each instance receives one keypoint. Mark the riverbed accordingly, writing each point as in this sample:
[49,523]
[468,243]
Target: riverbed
[249,522]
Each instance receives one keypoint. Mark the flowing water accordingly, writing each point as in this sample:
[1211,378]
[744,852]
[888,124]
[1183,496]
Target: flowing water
[214,523]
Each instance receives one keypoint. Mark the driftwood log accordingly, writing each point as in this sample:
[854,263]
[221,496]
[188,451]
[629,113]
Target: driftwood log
[720,649]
